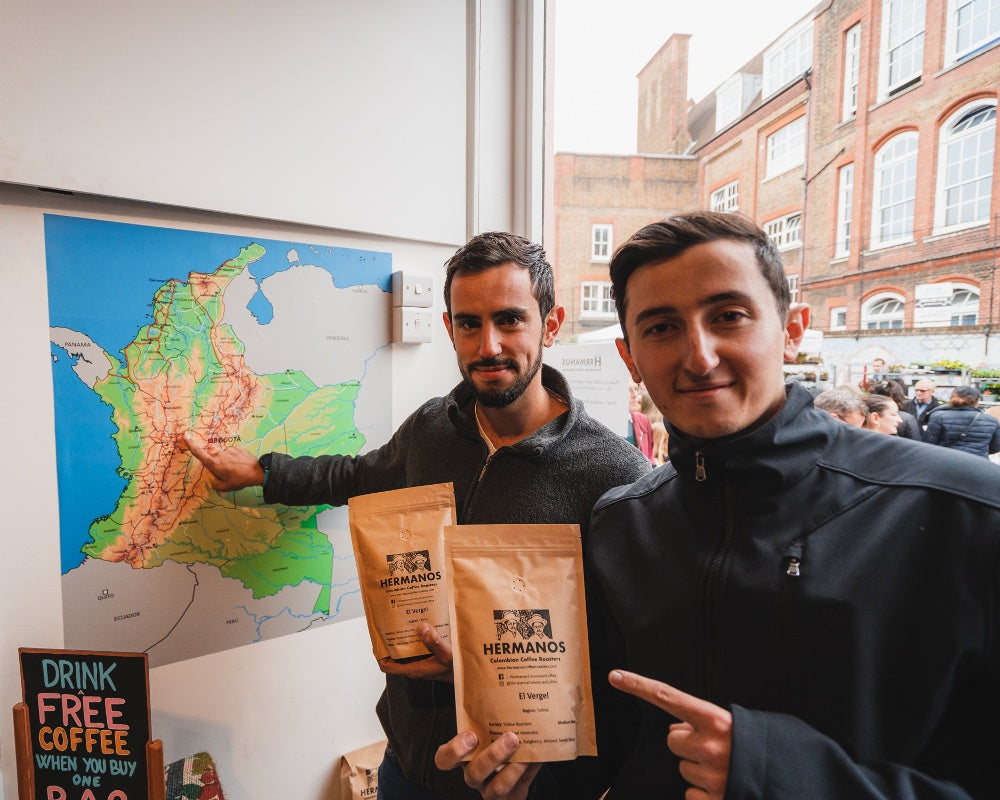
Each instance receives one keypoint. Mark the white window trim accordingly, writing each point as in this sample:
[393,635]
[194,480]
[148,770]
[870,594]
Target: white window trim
[957,286]
[952,53]
[852,72]
[782,232]
[779,166]
[885,89]
[726,197]
[798,39]
[845,210]
[728,99]
[834,312]
[876,242]
[940,210]
[874,301]
[598,258]
[605,299]
[793,287]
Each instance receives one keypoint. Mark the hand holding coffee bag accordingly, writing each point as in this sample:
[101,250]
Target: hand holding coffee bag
[519,633]
[398,539]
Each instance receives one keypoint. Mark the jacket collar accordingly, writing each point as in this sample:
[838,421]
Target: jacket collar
[776,454]
[460,403]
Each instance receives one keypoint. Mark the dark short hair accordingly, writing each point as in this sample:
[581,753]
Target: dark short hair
[672,236]
[488,250]
[964,396]
[879,403]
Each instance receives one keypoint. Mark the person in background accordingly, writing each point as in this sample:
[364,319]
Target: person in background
[961,425]
[640,429]
[659,429]
[923,402]
[843,404]
[883,414]
[908,427]
[511,437]
[874,375]
[791,608]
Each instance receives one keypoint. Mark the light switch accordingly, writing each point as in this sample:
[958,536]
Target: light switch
[411,324]
[414,289]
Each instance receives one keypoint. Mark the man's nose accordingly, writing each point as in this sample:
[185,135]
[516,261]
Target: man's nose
[700,356]
[489,341]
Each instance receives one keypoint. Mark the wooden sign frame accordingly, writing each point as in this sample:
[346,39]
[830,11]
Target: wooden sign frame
[25,738]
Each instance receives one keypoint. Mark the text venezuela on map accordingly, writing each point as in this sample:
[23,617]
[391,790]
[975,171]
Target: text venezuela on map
[264,345]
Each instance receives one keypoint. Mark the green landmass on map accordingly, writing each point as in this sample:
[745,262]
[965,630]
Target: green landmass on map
[186,371]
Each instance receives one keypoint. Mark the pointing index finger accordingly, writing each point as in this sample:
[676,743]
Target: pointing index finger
[685,707]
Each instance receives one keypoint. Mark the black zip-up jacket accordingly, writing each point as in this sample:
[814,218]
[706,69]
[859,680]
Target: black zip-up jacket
[555,475]
[835,588]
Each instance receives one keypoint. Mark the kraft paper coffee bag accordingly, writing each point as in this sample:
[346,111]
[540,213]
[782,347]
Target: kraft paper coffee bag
[359,772]
[519,634]
[398,539]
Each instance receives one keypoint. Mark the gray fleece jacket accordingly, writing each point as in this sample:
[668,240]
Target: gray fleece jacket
[555,475]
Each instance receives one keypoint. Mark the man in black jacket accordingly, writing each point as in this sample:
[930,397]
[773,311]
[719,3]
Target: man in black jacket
[511,438]
[923,402]
[802,609]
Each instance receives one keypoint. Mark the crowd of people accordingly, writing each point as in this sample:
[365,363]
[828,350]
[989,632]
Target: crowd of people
[788,607]
[880,404]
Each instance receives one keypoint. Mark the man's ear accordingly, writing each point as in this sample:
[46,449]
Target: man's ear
[553,322]
[447,324]
[796,325]
[626,355]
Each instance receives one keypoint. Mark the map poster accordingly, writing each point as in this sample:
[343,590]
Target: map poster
[89,720]
[266,345]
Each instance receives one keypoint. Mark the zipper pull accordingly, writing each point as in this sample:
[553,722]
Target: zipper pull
[792,569]
[699,465]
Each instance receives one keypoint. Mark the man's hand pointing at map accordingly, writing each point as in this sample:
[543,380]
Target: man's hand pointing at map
[231,468]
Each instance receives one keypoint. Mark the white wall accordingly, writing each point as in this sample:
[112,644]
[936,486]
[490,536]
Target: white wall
[275,715]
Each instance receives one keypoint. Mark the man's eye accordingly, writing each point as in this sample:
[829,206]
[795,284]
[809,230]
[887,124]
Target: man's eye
[731,316]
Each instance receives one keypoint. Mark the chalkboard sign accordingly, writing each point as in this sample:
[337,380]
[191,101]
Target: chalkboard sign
[89,723]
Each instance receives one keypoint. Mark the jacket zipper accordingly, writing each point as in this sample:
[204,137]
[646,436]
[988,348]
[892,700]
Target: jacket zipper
[714,595]
[699,466]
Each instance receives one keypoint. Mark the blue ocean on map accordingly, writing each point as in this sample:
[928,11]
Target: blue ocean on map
[101,280]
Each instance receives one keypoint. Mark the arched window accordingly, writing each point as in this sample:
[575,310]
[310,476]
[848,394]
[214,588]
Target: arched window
[883,311]
[964,305]
[965,170]
[895,190]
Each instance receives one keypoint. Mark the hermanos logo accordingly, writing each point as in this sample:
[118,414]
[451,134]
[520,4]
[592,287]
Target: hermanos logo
[407,568]
[523,631]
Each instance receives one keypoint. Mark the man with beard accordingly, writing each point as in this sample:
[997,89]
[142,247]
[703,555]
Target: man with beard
[511,438]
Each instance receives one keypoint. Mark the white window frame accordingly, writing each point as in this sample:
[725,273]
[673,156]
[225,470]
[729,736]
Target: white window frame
[902,46]
[793,287]
[786,231]
[972,176]
[601,242]
[852,71]
[963,38]
[728,99]
[845,209]
[726,198]
[957,290]
[596,301]
[835,314]
[895,182]
[788,58]
[893,318]
[786,147]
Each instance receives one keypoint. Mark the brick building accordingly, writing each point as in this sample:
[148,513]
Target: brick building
[864,140]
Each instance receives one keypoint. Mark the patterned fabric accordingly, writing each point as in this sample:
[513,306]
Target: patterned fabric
[193,778]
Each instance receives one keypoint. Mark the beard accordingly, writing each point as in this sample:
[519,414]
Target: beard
[501,398]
